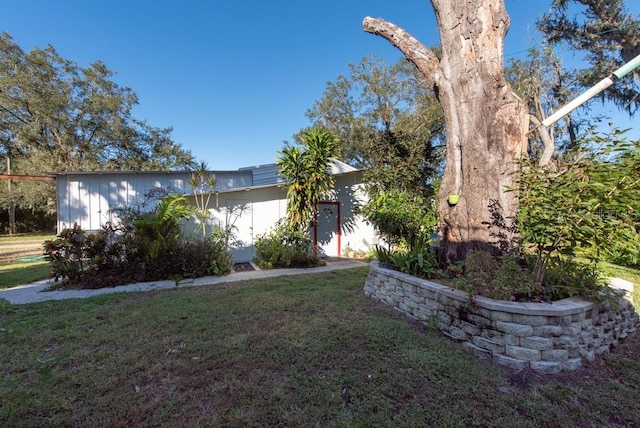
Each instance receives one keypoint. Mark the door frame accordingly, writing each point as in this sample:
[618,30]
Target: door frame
[338,226]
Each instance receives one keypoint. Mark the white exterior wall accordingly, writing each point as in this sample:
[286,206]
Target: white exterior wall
[249,213]
[88,198]
[355,232]
[255,211]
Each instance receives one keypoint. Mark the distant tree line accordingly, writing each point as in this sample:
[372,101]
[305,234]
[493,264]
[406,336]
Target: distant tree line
[57,116]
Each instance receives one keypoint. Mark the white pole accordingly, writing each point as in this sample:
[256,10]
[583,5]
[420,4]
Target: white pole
[583,98]
[593,91]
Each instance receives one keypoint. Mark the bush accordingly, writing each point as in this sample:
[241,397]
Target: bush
[511,278]
[204,257]
[418,260]
[400,217]
[569,277]
[587,205]
[144,247]
[509,281]
[67,254]
[286,246]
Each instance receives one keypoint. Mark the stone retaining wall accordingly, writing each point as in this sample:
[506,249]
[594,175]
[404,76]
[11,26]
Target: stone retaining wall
[547,338]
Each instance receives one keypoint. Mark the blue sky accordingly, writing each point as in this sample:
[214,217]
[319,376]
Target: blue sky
[233,78]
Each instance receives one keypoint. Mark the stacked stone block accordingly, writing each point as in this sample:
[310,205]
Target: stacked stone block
[547,338]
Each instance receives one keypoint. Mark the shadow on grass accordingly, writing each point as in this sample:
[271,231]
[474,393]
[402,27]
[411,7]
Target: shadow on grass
[14,274]
[309,350]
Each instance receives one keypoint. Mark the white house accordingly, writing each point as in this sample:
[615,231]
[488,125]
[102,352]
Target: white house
[249,200]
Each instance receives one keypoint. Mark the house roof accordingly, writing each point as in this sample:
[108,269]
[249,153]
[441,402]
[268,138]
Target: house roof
[258,176]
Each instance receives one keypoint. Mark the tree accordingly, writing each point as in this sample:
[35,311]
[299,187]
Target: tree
[388,122]
[486,123]
[606,34]
[57,116]
[545,85]
[306,170]
[588,203]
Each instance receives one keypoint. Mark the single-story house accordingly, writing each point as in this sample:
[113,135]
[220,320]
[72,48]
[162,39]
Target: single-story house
[249,201]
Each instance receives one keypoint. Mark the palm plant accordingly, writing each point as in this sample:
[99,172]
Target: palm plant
[160,228]
[307,174]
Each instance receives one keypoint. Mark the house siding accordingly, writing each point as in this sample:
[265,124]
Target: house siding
[249,201]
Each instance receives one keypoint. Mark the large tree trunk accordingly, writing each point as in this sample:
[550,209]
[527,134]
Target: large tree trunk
[486,122]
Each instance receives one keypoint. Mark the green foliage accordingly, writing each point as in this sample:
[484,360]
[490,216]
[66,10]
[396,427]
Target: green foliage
[143,247]
[306,170]
[204,257]
[159,229]
[387,121]
[503,279]
[285,246]
[400,216]
[605,34]
[57,116]
[511,278]
[418,260]
[66,254]
[589,203]
[480,265]
[570,277]
[37,218]
[383,254]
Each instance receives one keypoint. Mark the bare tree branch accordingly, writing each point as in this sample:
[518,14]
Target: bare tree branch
[547,141]
[424,58]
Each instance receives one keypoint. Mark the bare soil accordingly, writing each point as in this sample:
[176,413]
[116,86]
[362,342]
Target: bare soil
[243,267]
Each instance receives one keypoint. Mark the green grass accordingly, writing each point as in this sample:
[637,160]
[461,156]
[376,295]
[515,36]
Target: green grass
[26,237]
[296,351]
[13,274]
[629,274]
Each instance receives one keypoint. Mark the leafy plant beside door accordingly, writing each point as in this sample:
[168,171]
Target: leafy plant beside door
[307,173]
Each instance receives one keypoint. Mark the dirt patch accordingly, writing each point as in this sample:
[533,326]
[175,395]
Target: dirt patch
[243,267]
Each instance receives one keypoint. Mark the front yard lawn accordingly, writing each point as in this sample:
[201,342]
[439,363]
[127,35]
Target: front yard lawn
[296,351]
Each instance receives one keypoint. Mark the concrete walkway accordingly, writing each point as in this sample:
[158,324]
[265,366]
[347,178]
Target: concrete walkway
[32,293]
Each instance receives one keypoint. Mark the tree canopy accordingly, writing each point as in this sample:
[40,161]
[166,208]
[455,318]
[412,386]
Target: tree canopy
[387,120]
[57,116]
[606,34]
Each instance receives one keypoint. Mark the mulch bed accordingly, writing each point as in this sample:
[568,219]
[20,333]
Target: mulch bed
[242,267]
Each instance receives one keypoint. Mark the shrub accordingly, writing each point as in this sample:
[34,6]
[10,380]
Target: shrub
[511,278]
[399,216]
[285,246]
[587,204]
[204,257]
[569,277]
[66,254]
[480,265]
[418,260]
[143,247]
[509,281]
